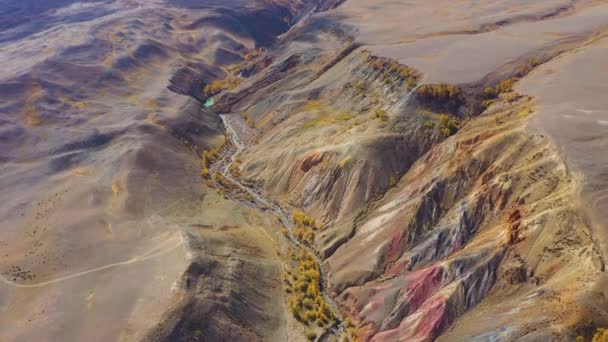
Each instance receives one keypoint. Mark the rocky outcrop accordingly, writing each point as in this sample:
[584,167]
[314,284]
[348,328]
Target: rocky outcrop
[434,248]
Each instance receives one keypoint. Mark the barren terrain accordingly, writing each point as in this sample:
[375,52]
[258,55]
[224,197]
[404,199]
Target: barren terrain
[303,170]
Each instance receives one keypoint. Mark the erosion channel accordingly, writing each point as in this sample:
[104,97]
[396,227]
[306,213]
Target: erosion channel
[241,136]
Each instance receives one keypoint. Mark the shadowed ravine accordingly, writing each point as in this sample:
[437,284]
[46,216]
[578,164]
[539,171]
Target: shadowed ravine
[234,124]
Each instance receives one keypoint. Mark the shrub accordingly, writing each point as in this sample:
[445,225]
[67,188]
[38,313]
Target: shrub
[249,120]
[441,96]
[411,82]
[510,97]
[447,125]
[301,219]
[533,62]
[524,69]
[525,112]
[253,54]
[391,69]
[490,92]
[311,335]
[348,322]
[217,86]
[205,172]
[305,227]
[305,299]
[208,157]
[505,86]
[235,168]
[486,103]
[442,91]
[308,303]
[321,320]
[601,335]
[296,312]
[223,181]
[326,118]
[214,87]
[392,181]
[381,115]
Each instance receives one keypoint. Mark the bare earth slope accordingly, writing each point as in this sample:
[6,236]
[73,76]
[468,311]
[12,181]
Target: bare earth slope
[493,233]
[101,130]
[451,154]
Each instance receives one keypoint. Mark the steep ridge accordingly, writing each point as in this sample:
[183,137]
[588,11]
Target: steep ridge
[490,208]
[311,104]
[434,224]
[101,131]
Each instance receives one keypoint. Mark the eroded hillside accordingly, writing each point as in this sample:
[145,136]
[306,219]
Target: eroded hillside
[395,171]
[448,209]
[104,214]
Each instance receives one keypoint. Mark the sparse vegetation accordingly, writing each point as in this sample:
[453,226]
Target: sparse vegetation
[312,105]
[223,181]
[527,67]
[305,228]
[218,86]
[447,125]
[235,167]
[311,335]
[439,92]
[350,332]
[380,114]
[305,300]
[510,97]
[392,181]
[209,156]
[301,219]
[249,120]
[253,54]
[227,186]
[525,112]
[601,335]
[393,71]
[505,87]
[442,96]
[487,103]
[360,89]
[411,82]
[490,92]
[327,119]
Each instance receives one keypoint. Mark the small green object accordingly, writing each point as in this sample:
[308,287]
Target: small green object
[209,103]
[197,334]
